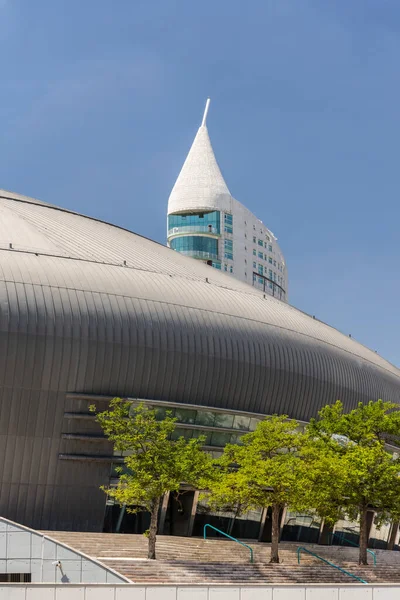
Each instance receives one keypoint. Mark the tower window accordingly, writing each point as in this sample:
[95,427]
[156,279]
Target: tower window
[228,249]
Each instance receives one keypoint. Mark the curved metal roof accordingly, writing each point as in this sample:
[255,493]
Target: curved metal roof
[206,337]
[89,309]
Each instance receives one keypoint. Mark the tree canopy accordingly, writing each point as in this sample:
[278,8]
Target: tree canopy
[263,471]
[353,469]
[155,463]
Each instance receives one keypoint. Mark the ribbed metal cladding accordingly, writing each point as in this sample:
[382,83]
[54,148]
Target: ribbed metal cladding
[75,319]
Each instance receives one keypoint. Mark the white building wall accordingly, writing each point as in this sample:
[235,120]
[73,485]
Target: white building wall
[249,256]
[200,187]
[26,551]
[128,591]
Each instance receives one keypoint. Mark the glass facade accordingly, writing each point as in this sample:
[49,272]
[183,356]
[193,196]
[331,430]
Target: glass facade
[300,527]
[194,223]
[208,418]
[379,536]
[196,246]
[228,223]
[228,249]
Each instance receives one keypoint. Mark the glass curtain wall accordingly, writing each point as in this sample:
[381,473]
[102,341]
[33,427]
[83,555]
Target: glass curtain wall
[196,246]
[195,223]
[301,528]
[347,532]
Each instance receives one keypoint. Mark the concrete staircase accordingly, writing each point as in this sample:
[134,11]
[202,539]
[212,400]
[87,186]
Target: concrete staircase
[194,560]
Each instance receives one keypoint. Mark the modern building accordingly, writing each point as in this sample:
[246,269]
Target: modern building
[205,222]
[89,311]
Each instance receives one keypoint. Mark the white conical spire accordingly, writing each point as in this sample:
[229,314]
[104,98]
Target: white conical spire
[200,184]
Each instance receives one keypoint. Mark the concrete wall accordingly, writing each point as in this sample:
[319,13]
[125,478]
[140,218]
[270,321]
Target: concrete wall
[135,592]
[24,550]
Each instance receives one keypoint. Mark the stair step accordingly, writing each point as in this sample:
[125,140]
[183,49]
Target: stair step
[192,560]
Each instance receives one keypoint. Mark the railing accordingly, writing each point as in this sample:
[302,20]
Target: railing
[228,536]
[193,229]
[343,539]
[328,562]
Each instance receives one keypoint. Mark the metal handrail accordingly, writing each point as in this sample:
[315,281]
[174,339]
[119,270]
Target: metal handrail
[230,537]
[343,539]
[328,562]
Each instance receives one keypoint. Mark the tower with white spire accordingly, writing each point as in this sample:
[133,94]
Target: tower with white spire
[206,223]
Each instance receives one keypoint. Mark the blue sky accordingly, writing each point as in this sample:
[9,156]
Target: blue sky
[100,102]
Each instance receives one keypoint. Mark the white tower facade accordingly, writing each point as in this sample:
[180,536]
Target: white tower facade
[206,223]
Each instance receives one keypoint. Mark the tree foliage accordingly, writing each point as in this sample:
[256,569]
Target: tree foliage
[340,464]
[154,463]
[263,471]
[353,470]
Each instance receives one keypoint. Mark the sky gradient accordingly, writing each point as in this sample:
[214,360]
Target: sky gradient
[101,100]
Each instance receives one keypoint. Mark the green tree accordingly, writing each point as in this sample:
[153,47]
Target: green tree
[353,470]
[155,464]
[263,471]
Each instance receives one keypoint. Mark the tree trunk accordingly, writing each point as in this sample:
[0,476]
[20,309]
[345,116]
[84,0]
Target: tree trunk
[275,533]
[153,529]
[393,535]
[362,560]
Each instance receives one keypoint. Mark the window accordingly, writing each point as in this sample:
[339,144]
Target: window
[245,235]
[191,223]
[230,269]
[260,269]
[245,261]
[265,257]
[261,280]
[254,252]
[241,423]
[265,244]
[228,218]
[254,239]
[267,237]
[225,267]
[270,260]
[216,264]
[15,578]
[270,274]
[184,415]
[274,263]
[270,247]
[261,243]
[205,418]
[261,255]
[254,265]
[228,249]
[196,246]
[220,439]
[254,227]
